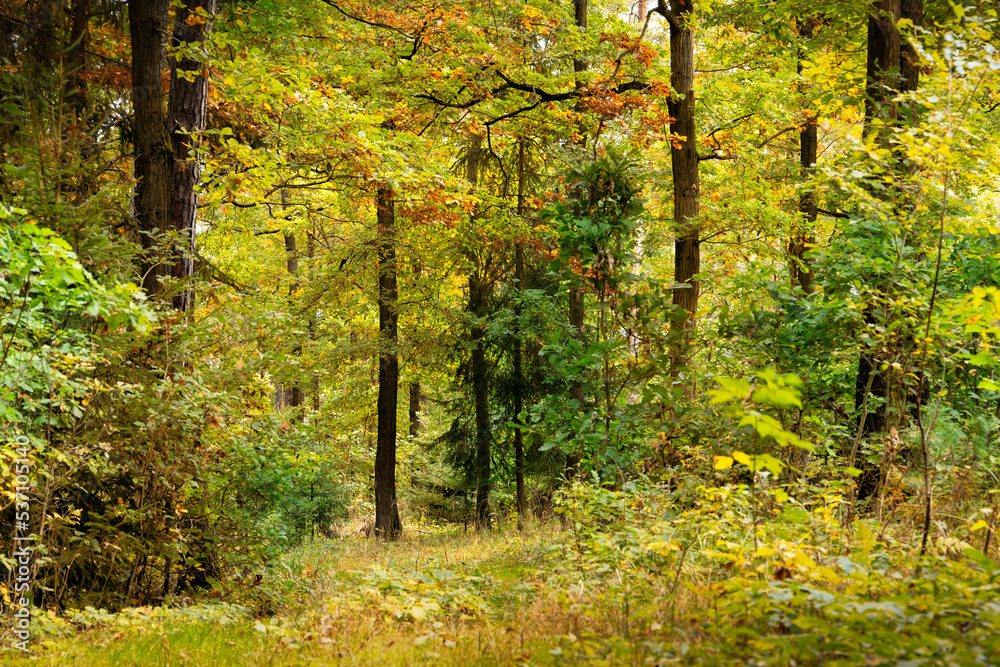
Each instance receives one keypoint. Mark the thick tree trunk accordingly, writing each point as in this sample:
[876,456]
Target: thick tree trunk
[882,76]
[154,159]
[186,111]
[909,69]
[387,523]
[76,95]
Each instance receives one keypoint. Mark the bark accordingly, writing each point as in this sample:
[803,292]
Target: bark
[518,370]
[414,408]
[480,390]
[892,67]
[882,73]
[311,253]
[387,523]
[577,307]
[292,265]
[415,397]
[40,46]
[684,162]
[77,96]
[802,237]
[154,159]
[478,293]
[186,111]
[580,19]
[908,62]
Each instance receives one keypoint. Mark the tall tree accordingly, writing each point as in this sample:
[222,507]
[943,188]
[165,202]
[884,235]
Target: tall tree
[154,158]
[186,109]
[577,304]
[891,68]
[387,523]
[517,361]
[479,289]
[684,161]
[802,233]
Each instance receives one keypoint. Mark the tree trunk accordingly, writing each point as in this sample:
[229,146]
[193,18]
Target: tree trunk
[154,159]
[577,306]
[802,234]
[387,523]
[480,390]
[882,74]
[684,163]
[518,370]
[891,69]
[909,69]
[292,264]
[414,408]
[311,254]
[478,293]
[76,95]
[415,397]
[186,111]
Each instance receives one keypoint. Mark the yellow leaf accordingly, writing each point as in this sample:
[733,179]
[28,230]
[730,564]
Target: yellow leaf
[979,525]
[723,462]
[743,458]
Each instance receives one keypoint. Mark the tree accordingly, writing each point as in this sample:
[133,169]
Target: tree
[892,68]
[387,523]
[186,111]
[154,159]
[684,163]
[802,234]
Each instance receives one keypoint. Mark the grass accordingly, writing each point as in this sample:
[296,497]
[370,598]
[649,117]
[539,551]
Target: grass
[356,601]
[632,579]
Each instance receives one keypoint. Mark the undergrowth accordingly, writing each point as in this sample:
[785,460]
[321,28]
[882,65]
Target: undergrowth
[643,574]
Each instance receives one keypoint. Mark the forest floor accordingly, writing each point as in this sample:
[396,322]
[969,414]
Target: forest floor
[437,596]
[805,592]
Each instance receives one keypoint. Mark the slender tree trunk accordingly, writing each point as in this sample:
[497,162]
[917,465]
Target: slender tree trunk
[518,370]
[292,264]
[311,254]
[802,234]
[154,159]
[415,397]
[186,111]
[684,162]
[414,408]
[480,390]
[478,293]
[387,523]
[577,305]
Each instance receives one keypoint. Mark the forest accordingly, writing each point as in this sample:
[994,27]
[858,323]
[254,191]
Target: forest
[656,332]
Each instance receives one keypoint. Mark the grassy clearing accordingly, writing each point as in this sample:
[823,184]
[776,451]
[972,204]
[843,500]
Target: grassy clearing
[630,578]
